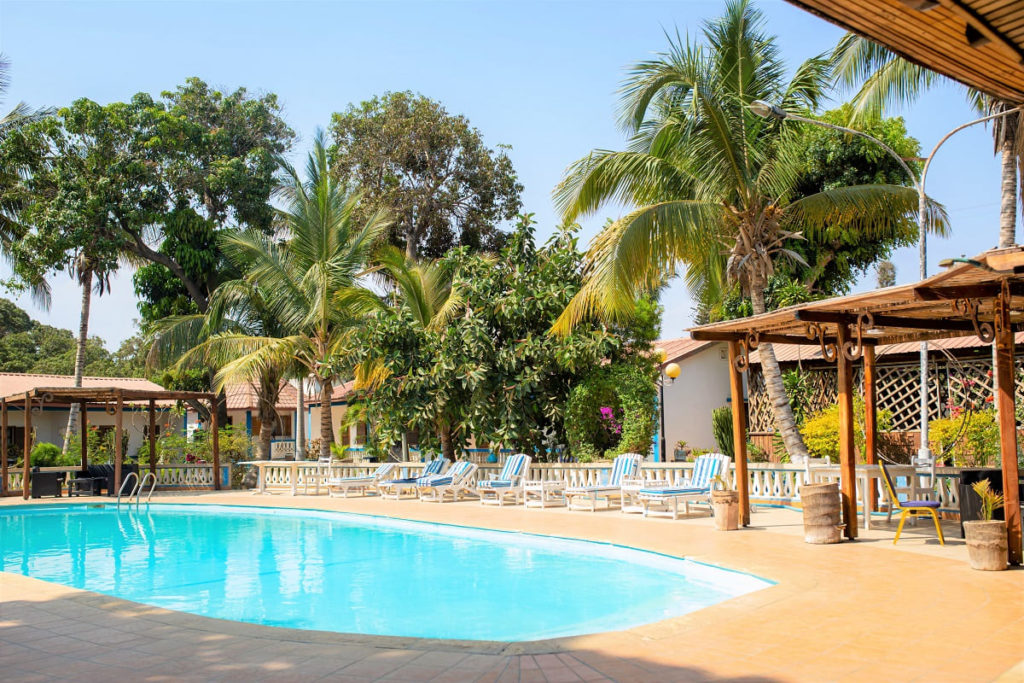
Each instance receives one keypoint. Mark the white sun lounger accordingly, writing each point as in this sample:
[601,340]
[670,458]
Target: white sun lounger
[394,488]
[508,483]
[340,486]
[456,481]
[696,489]
[625,467]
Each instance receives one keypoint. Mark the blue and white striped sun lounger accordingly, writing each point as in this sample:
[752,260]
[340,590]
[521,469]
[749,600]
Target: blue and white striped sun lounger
[393,488]
[696,489]
[456,481]
[342,485]
[625,466]
[508,483]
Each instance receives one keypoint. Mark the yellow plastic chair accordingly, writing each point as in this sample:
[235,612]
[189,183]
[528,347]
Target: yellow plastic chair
[910,508]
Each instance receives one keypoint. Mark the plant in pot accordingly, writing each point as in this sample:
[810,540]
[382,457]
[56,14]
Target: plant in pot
[986,537]
[725,504]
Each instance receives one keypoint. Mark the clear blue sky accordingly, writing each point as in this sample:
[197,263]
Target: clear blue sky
[539,76]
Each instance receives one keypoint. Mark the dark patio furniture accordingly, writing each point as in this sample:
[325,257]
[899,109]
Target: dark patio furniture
[47,483]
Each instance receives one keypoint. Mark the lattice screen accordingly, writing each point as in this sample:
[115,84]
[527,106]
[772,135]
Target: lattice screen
[898,390]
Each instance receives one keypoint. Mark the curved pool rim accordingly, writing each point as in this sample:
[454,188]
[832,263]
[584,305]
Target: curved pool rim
[539,645]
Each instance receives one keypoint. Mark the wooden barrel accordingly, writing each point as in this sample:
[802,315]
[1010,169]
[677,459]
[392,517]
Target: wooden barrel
[821,513]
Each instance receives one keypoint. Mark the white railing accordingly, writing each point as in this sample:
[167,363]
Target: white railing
[168,477]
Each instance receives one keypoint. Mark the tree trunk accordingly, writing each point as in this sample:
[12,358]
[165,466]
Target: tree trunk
[447,445]
[83,338]
[326,426]
[784,420]
[1008,205]
[268,418]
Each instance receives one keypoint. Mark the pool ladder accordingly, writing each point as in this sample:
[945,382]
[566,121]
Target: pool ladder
[137,489]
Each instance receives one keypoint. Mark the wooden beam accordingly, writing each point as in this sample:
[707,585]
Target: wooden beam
[887,321]
[981,25]
[3,448]
[1008,427]
[870,418]
[215,436]
[152,436]
[118,449]
[988,290]
[84,431]
[27,449]
[769,338]
[847,456]
[739,433]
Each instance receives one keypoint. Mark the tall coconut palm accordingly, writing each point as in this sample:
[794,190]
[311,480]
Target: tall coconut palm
[712,184]
[884,80]
[313,275]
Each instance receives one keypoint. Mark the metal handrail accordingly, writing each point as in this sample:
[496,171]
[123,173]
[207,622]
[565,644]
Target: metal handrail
[125,483]
[142,484]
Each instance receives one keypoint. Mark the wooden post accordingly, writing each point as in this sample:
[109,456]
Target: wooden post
[215,436]
[84,430]
[27,452]
[847,456]
[870,420]
[739,433]
[3,448]
[118,449]
[1007,424]
[152,436]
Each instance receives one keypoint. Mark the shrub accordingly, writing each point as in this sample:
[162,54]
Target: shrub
[821,430]
[49,455]
[721,427]
[968,439]
[611,412]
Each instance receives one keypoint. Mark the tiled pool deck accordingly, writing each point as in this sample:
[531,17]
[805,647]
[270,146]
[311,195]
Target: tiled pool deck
[864,611]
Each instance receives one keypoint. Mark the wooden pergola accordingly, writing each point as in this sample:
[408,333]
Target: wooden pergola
[983,296]
[111,397]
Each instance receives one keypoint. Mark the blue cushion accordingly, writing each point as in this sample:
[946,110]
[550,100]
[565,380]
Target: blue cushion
[495,484]
[920,504]
[670,492]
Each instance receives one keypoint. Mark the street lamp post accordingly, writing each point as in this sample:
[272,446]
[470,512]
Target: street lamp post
[671,371]
[766,110]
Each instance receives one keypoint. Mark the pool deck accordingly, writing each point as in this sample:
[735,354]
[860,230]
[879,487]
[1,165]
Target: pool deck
[863,611]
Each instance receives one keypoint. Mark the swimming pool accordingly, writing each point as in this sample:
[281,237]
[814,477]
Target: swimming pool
[353,573]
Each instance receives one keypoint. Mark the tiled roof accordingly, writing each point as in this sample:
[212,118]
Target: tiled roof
[681,347]
[17,382]
[339,392]
[791,353]
[242,396]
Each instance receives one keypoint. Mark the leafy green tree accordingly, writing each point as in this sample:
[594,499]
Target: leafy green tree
[428,169]
[480,364]
[704,171]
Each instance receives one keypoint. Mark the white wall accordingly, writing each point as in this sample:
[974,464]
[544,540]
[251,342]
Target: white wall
[702,385]
[50,423]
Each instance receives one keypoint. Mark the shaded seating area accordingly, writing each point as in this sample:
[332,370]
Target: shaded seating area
[114,399]
[982,296]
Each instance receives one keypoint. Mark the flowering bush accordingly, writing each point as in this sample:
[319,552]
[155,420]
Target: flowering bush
[966,438]
[624,418]
[821,430]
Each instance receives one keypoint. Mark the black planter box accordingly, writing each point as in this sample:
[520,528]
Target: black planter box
[970,502]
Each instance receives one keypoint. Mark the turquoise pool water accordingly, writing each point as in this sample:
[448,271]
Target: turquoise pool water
[356,573]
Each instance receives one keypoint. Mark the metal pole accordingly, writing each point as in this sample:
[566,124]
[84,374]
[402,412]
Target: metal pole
[661,406]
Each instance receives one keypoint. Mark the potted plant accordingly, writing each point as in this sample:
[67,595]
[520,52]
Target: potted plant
[682,451]
[986,537]
[725,504]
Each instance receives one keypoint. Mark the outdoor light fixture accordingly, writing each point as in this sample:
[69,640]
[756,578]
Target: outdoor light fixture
[672,370]
[767,110]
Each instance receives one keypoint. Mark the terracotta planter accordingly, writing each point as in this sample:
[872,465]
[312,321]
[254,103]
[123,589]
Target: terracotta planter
[986,544]
[726,506]
[821,513]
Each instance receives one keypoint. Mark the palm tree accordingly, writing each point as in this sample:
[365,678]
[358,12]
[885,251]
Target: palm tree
[884,80]
[313,277]
[712,183]
[426,291]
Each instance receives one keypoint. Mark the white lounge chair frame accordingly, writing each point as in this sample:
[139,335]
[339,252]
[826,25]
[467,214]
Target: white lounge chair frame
[394,488]
[509,482]
[700,483]
[458,480]
[625,466]
[340,486]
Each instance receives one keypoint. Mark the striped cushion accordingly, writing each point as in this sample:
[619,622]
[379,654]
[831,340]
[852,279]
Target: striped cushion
[437,480]
[625,466]
[457,471]
[670,491]
[495,484]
